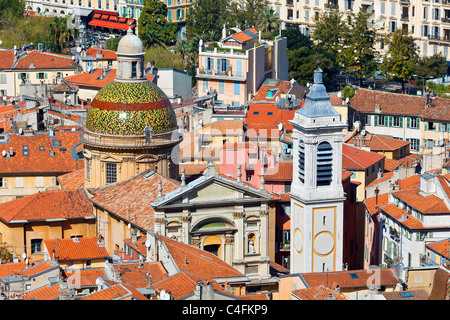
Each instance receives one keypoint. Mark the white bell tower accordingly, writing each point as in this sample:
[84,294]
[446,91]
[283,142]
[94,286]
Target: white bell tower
[317,195]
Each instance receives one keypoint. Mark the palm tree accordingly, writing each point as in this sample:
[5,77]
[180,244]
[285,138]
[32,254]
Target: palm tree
[60,33]
[185,48]
[151,37]
[268,21]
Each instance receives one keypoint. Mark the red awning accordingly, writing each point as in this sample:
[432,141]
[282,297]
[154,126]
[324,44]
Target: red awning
[97,15]
[112,18]
[110,24]
[111,13]
[105,17]
[122,19]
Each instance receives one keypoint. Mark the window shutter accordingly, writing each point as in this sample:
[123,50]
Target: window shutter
[45,75]
[218,65]
[401,122]
[37,75]
[425,125]
[408,122]
[390,121]
[375,121]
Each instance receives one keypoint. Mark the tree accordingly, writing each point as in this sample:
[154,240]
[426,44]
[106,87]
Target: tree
[207,15]
[296,39]
[10,11]
[358,52]
[153,27]
[303,62]
[330,31]
[268,22]
[112,43]
[246,14]
[60,34]
[400,58]
[164,58]
[434,66]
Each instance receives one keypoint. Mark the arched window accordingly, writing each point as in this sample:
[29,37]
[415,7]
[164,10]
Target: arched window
[301,161]
[324,163]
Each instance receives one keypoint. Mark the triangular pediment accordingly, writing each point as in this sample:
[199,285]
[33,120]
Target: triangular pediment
[213,190]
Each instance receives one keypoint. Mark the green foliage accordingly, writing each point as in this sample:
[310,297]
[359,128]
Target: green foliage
[348,92]
[112,43]
[358,52]
[295,38]
[164,58]
[153,27]
[5,254]
[303,62]
[401,57]
[330,31]
[268,23]
[60,34]
[207,16]
[434,66]
[246,14]
[10,12]
[440,89]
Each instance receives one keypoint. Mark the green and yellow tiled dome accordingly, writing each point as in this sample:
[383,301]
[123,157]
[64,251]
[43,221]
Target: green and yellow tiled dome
[126,108]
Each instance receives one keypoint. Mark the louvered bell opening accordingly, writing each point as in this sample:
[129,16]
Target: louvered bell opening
[301,161]
[324,164]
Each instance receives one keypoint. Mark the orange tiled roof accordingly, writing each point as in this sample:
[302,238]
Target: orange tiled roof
[106,54]
[366,100]
[398,214]
[281,172]
[73,180]
[83,278]
[270,114]
[379,143]
[441,247]
[183,284]
[253,296]
[343,279]
[242,36]
[386,176]
[407,161]
[410,182]
[425,204]
[37,160]
[141,274]
[318,293]
[130,199]
[115,292]
[47,205]
[6,59]
[39,268]
[45,60]
[199,261]
[45,293]
[68,249]
[374,202]
[419,294]
[266,131]
[357,159]
[8,269]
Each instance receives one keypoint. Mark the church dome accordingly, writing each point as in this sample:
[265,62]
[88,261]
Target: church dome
[130,44]
[126,108]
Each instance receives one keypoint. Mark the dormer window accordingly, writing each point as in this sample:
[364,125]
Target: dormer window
[271,93]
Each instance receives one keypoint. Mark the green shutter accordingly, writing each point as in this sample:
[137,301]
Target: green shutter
[425,126]
[375,120]
[37,75]
[408,122]
[401,122]
[390,118]
[18,76]
[28,76]
[45,75]
[418,123]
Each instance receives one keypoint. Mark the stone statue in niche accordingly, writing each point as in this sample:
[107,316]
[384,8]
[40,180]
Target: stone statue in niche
[251,246]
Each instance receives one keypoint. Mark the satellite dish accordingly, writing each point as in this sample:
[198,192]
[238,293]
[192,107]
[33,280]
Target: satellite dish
[363,132]
[78,49]
[26,261]
[24,255]
[148,243]
[129,226]
[20,131]
[4,153]
[280,126]
[339,94]
[347,100]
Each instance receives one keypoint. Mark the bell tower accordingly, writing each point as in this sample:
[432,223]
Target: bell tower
[317,194]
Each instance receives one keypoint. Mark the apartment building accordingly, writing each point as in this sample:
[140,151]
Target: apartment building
[425,122]
[427,20]
[237,65]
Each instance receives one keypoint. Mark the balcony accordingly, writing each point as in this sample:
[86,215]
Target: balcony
[446,2]
[220,75]
[446,20]
[404,17]
[224,51]
[331,6]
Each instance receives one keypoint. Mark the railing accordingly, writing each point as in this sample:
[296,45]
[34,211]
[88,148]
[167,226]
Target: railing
[227,51]
[446,19]
[228,73]
[434,37]
[331,6]
[405,17]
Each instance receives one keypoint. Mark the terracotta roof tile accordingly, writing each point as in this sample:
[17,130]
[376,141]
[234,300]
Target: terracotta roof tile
[141,274]
[130,199]
[357,159]
[73,180]
[45,60]
[386,176]
[8,269]
[374,202]
[105,54]
[183,284]
[318,293]
[441,247]
[344,279]
[47,205]
[70,249]
[199,261]
[39,159]
[425,204]
[377,142]
[45,293]
[402,216]
[116,292]
[270,114]
[39,268]
[253,296]
[407,161]
[281,172]
[410,182]
[6,59]
[420,294]
[83,278]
